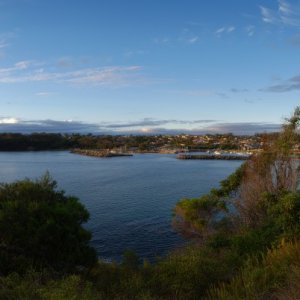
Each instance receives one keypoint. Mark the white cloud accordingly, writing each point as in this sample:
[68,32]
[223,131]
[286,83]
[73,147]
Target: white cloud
[193,39]
[268,15]
[285,14]
[43,94]
[106,76]
[22,65]
[220,30]
[146,122]
[6,120]
[147,126]
[69,126]
[224,29]
[186,36]
[18,66]
[285,7]
[250,30]
[230,29]
[27,71]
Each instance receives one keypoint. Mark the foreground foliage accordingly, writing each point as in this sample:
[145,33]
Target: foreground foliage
[274,275]
[41,228]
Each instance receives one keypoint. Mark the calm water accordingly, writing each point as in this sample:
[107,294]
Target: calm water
[130,199]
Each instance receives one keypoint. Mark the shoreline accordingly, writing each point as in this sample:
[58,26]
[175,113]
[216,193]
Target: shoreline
[99,153]
[212,157]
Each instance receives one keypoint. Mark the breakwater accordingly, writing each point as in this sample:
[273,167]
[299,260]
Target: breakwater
[207,157]
[98,153]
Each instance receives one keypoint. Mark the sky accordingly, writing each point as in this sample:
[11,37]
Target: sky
[148,66]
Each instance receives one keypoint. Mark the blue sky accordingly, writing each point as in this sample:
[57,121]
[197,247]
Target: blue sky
[148,66]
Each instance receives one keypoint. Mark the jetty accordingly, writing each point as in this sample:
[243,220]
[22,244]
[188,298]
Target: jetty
[212,156]
[99,153]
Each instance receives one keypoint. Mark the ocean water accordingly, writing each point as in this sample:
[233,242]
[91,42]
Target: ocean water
[130,199]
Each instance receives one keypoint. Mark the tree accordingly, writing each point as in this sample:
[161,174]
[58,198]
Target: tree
[273,172]
[40,227]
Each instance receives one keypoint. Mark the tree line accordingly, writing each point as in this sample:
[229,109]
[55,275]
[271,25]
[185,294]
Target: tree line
[59,141]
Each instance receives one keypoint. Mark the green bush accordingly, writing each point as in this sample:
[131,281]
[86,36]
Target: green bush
[40,286]
[263,277]
[42,228]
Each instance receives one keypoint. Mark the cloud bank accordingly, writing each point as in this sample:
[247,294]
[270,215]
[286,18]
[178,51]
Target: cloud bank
[146,126]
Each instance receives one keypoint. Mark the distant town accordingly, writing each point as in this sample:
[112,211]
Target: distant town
[133,143]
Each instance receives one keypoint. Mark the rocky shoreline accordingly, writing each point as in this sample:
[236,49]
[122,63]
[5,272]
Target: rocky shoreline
[99,153]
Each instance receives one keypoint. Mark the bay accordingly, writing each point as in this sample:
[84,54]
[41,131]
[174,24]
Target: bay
[130,199]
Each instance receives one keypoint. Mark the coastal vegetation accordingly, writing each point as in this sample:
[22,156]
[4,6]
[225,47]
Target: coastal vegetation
[244,239]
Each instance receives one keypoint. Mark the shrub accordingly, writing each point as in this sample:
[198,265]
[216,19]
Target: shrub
[262,278]
[41,227]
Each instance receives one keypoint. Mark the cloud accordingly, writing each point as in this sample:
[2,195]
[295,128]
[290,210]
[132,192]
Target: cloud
[147,126]
[49,126]
[105,76]
[224,29]
[22,65]
[247,128]
[268,15]
[193,40]
[250,29]
[43,94]
[242,128]
[219,31]
[8,120]
[18,66]
[291,84]
[153,122]
[230,29]
[186,36]
[11,124]
[289,14]
[28,71]
[286,14]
